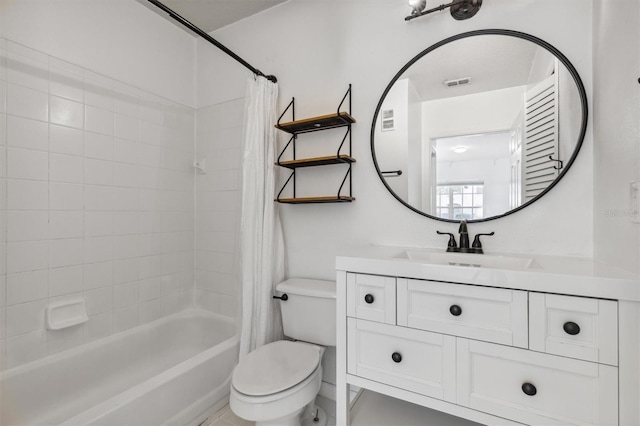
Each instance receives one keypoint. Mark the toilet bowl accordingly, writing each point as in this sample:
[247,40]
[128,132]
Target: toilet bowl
[274,384]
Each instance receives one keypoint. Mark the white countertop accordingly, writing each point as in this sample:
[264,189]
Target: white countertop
[550,274]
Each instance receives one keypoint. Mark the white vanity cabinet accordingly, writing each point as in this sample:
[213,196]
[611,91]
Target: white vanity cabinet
[494,355]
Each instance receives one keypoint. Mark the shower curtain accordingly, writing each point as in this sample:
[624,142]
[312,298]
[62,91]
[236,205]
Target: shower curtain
[262,245]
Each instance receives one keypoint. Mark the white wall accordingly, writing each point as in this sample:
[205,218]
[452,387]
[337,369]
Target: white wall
[96,183]
[118,38]
[616,149]
[316,48]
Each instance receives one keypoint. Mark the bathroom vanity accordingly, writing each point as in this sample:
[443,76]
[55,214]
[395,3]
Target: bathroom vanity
[490,338]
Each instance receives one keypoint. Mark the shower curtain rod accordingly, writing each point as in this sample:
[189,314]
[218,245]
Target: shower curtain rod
[210,39]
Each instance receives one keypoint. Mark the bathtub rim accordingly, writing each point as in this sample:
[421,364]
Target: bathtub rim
[50,359]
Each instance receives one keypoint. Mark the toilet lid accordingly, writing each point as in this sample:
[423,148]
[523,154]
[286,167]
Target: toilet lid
[275,367]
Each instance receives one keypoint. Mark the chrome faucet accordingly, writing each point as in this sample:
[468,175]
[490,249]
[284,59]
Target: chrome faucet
[452,246]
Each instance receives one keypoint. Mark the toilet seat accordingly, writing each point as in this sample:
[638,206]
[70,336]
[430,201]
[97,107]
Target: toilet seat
[275,367]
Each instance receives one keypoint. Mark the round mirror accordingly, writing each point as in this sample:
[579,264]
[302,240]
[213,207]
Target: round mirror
[479,125]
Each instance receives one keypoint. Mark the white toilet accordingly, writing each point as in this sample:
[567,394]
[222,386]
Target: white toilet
[276,384]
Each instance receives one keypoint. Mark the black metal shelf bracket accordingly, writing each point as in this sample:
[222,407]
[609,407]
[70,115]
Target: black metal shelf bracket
[343,122]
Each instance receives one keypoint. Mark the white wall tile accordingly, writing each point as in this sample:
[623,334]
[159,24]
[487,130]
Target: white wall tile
[98,275]
[27,133]
[99,326]
[98,91]
[25,256]
[27,225]
[66,196]
[126,175]
[125,270]
[65,280]
[27,194]
[3,324]
[150,288]
[27,164]
[98,249]
[65,140]
[98,197]
[66,112]
[27,103]
[26,348]
[127,100]
[66,168]
[3,290]
[66,80]
[25,317]
[98,172]
[66,252]
[66,224]
[127,127]
[99,120]
[125,223]
[126,199]
[27,67]
[98,146]
[150,310]
[125,294]
[125,318]
[126,151]
[99,300]
[98,223]
[27,286]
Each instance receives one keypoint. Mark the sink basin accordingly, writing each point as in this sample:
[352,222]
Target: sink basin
[467,259]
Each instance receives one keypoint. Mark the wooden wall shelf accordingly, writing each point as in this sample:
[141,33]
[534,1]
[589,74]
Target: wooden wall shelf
[314,124]
[317,161]
[316,200]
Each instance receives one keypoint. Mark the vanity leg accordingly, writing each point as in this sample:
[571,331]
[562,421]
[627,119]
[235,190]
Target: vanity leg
[342,388]
[629,362]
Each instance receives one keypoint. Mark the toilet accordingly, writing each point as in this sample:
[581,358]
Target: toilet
[276,384]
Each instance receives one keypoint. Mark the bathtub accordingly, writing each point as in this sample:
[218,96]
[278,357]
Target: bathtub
[173,371]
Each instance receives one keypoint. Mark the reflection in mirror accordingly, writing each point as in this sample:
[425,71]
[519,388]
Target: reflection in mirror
[479,126]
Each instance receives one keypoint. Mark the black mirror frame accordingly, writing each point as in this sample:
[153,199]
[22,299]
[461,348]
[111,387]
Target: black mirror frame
[525,36]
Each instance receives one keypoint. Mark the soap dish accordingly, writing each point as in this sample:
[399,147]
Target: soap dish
[66,314]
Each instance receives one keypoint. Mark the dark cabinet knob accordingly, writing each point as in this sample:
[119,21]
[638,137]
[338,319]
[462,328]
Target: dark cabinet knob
[571,328]
[369,298]
[529,389]
[455,310]
[396,357]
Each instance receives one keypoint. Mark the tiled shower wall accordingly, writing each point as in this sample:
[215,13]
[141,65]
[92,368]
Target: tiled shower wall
[96,201]
[219,141]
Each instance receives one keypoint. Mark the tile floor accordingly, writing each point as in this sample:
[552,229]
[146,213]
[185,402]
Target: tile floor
[225,417]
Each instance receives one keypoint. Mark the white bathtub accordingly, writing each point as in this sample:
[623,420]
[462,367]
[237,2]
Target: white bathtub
[173,371]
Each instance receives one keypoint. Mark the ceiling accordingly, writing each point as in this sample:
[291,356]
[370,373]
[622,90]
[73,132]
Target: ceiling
[210,15]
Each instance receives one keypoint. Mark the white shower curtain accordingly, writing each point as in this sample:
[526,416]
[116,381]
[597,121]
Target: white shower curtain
[262,245]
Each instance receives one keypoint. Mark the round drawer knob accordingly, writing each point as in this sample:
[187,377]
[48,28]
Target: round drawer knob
[396,357]
[369,298]
[571,328]
[529,389]
[455,310]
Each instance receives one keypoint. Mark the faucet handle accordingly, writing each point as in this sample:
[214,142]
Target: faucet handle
[477,245]
[452,240]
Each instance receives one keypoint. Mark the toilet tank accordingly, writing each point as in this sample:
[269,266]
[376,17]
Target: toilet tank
[309,313]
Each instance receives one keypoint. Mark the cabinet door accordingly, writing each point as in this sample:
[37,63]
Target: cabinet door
[371,297]
[484,313]
[535,388]
[414,360]
[576,327]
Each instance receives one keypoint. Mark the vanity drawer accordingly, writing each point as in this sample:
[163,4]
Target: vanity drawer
[414,360]
[371,297]
[576,327]
[490,314]
[493,378]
